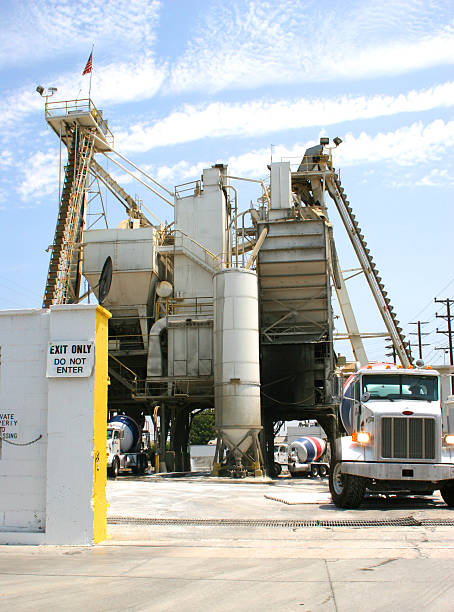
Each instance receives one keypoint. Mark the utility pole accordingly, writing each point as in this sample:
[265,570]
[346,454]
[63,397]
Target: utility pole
[448,318]
[419,334]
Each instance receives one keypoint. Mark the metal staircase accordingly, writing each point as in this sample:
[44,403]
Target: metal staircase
[371,273]
[63,276]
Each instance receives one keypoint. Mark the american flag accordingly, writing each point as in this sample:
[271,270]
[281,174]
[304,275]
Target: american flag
[89,65]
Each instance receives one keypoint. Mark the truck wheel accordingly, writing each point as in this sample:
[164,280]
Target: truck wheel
[314,471]
[347,491]
[447,493]
[277,469]
[115,469]
[143,464]
[322,471]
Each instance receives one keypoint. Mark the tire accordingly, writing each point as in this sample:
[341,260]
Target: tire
[277,469]
[347,491]
[447,493]
[115,469]
[314,471]
[143,464]
[322,471]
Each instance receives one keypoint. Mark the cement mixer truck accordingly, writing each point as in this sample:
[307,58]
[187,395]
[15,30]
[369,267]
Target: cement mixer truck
[397,435]
[305,457]
[126,446]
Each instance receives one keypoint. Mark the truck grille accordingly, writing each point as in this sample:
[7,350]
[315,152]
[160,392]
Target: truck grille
[407,438]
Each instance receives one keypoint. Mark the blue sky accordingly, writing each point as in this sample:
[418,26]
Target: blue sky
[188,83]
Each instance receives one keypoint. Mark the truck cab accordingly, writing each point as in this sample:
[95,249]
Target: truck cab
[392,436]
[113,450]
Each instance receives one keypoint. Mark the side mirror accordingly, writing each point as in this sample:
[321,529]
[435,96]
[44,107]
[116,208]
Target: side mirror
[365,397]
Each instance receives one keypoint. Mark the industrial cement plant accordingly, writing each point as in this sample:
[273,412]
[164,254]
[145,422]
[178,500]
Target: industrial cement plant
[223,307]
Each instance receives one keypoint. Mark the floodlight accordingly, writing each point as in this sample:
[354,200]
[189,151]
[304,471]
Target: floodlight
[324,141]
[40,90]
[337,141]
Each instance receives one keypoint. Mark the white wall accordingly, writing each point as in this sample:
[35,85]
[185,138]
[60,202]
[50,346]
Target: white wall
[46,485]
[23,394]
[203,218]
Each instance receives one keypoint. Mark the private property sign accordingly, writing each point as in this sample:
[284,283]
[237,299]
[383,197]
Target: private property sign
[70,358]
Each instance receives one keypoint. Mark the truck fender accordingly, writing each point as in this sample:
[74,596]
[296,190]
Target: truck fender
[351,451]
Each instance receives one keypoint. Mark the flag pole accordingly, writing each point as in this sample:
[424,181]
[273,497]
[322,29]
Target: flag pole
[91,72]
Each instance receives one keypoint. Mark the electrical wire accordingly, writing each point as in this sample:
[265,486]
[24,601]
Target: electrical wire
[300,403]
[22,443]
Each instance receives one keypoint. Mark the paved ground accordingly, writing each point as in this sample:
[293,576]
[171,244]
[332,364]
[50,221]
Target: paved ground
[235,568]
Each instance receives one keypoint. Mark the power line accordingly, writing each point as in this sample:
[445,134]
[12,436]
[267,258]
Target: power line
[419,333]
[448,317]
[429,303]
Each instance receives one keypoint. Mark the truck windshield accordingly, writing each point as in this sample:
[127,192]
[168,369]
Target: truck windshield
[109,434]
[401,386]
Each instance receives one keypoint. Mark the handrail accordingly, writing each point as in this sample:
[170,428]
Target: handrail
[262,183]
[83,105]
[124,366]
[216,258]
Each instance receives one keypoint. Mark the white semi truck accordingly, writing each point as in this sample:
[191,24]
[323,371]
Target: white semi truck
[398,435]
[126,446]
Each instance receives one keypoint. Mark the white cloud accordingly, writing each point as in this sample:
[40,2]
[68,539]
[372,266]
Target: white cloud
[244,45]
[37,29]
[220,119]
[408,146]
[40,176]
[6,159]
[111,84]
[436,178]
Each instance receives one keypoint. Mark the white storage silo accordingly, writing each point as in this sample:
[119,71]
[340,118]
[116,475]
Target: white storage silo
[236,364]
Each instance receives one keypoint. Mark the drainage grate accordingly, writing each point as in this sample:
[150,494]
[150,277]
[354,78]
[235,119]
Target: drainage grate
[408,521]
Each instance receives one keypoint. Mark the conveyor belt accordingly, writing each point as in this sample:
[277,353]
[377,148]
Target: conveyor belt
[336,191]
[63,257]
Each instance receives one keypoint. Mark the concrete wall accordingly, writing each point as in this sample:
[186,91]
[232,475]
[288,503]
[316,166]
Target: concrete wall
[53,436]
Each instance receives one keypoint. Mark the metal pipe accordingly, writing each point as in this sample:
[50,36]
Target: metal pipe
[139,169]
[235,221]
[144,184]
[256,249]
[134,176]
[128,208]
[264,188]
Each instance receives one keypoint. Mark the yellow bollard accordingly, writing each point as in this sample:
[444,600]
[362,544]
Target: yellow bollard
[257,471]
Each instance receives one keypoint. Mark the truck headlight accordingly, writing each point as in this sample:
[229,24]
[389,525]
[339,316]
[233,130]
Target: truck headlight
[362,437]
[449,439]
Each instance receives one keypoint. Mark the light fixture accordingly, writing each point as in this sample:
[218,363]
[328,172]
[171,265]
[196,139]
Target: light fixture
[362,437]
[324,141]
[50,91]
[337,141]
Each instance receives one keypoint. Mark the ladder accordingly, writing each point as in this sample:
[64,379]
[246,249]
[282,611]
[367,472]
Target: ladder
[371,273]
[63,275]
